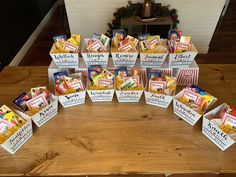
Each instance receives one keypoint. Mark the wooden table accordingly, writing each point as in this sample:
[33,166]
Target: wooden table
[117,138]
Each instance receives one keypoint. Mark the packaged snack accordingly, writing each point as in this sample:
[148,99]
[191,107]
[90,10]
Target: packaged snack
[128,80]
[174,35]
[196,98]
[152,44]
[21,100]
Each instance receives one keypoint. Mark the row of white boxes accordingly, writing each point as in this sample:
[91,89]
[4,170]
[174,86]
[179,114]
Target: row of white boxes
[147,60]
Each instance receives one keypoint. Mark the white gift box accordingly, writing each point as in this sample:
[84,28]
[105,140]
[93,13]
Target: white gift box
[124,58]
[184,112]
[153,60]
[72,99]
[46,113]
[64,60]
[182,60]
[187,76]
[16,140]
[214,133]
[129,96]
[91,59]
[155,99]
[101,95]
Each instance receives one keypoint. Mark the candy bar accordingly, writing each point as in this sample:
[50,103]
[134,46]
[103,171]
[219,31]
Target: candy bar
[71,47]
[37,102]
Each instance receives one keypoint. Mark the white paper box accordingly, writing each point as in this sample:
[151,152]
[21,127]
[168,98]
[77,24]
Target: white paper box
[15,141]
[124,58]
[72,99]
[158,99]
[214,133]
[65,60]
[101,95]
[46,113]
[131,96]
[187,76]
[182,60]
[184,112]
[152,60]
[94,58]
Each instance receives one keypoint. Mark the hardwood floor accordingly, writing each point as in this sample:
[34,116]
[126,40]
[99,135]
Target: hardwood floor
[222,47]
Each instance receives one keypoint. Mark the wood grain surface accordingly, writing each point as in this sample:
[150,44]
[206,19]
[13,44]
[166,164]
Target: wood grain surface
[117,138]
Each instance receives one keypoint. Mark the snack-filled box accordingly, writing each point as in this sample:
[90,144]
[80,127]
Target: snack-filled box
[151,58]
[100,84]
[95,57]
[14,137]
[159,88]
[65,52]
[187,76]
[183,59]
[220,129]
[70,88]
[124,49]
[129,84]
[39,104]
[182,50]
[190,105]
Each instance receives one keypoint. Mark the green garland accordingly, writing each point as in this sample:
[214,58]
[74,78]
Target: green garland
[136,9]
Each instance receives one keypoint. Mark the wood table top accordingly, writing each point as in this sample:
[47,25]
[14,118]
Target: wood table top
[117,138]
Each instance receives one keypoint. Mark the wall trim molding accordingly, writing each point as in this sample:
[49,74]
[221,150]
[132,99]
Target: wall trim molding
[24,49]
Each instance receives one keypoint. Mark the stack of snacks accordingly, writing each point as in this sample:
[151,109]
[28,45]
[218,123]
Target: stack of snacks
[67,84]
[225,119]
[123,43]
[178,43]
[98,43]
[160,84]
[95,50]
[151,44]
[100,85]
[100,79]
[128,80]
[196,99]
[64,45]
[124,49]
[160,89]
[10,122]
[39,104]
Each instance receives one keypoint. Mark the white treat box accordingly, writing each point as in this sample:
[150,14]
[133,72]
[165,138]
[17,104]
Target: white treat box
[157,99]
[184,112]
[129,96]
[187,76]
[182,60]
[101,95]
[72,99]
[153,60]
[46,113]
[94,58]
[214,133]
[64,60]
[16,140]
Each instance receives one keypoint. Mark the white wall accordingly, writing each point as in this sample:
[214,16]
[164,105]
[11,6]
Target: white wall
[197,18]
